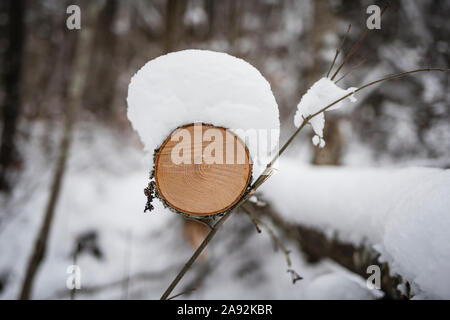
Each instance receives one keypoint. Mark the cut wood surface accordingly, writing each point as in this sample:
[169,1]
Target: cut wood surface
[202,187]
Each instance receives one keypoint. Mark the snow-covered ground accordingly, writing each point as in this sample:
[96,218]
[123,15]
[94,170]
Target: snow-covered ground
[103,193]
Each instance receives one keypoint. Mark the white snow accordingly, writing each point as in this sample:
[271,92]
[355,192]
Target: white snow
[335,286]
[195,16]
[318,141]
[103,192]
[321,94]
[404,214]
[201,86]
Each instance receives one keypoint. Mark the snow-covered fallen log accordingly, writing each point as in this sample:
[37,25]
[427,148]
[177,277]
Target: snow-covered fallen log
[401,214]
[318,246]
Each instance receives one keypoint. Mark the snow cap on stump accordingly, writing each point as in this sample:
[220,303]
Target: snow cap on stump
[180,91]
[200,86]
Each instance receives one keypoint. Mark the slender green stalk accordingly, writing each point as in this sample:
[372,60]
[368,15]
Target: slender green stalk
[268,171]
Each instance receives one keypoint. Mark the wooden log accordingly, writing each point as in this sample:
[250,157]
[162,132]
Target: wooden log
[317,246]
[202,170]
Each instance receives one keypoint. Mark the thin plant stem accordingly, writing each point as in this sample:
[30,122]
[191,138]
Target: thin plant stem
[181,293]
[268,172]
[195,255]
[390,77]
[275,239]
[356,66]
[355,47]
[252,218]
[338,50]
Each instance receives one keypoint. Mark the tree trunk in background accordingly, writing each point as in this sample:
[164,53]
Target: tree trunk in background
[331,153]
[103,73]
[324,22]
[195,233]
[75,93]
[12,82]
[234,23]
[173,24]
[209,9]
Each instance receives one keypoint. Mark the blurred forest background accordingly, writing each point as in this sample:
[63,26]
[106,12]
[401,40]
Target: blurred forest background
[57,83]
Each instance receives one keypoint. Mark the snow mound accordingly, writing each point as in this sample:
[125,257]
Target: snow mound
[321,94]
[402,213]
[200,86]
[335,286]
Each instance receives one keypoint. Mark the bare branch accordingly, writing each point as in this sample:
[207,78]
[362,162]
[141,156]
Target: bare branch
[356,66]
[278,244]
[338,50]
[181,293]
[252,218]
[355,47]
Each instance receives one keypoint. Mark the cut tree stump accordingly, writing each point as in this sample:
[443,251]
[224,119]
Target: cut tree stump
[214,173]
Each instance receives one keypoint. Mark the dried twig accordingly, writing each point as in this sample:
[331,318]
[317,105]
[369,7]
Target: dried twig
[75,93]
[269,170]
[355,47]
[294,275]
[317,245]
[356,66]
[181,293]
[252,218]
[338,50]
[278,244]
[195,255]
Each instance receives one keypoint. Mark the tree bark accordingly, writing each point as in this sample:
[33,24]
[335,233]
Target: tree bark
[234,22]
[12,82]
[209,6]
[103,65]
[324,22]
